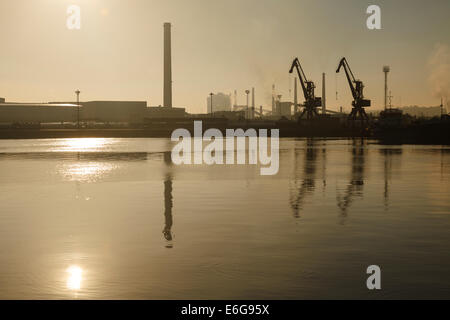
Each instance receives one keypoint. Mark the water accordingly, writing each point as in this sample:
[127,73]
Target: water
[114,219]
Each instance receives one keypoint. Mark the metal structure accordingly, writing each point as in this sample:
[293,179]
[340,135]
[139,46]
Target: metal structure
[211,101]
[386,70]
[324,97]
[311,101]
[247,92]
[78,108]
[356,86]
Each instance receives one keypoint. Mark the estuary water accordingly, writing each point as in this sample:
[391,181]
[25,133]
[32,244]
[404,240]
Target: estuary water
[116,219]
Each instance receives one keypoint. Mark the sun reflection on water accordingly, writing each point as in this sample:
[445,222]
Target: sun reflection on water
[82,144]
[87,172]
[75,278]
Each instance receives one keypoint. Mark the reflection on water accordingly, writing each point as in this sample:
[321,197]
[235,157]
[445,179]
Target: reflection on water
[392,158]
[236,237]
[301,188]
[80,145]
[168,204]
[355,187]
[74,278]
[87,172]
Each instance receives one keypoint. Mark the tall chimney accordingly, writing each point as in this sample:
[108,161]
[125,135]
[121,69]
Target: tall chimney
[324,98]
[253,104]
[273,99]
[167,65]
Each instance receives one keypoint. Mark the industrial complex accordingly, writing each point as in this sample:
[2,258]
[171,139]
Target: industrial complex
[308,118]
[131,113]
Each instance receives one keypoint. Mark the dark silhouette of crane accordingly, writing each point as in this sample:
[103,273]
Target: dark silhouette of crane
[356,86]
[311,102]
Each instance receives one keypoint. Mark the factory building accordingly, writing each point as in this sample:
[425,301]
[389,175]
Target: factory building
[37,113]
[220,102]
[164,112]
[283,108]
[126,112]
[132,112]
[120,112]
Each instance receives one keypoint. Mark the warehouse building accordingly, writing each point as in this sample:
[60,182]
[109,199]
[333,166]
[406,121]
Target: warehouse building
[125,112]
[37,113]
[131,112]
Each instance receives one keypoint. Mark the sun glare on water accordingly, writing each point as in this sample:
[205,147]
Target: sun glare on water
[84,144]
[75,278]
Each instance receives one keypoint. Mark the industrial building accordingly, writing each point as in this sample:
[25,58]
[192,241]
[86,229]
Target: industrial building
[220,102]
[164,112]
[284,108]
[132,112]
[123,112]
[37,113]
[126,112]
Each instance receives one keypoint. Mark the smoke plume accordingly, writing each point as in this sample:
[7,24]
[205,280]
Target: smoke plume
[439,66]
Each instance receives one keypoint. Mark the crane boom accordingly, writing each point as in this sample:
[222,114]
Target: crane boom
[311,102]
[349,74]
[301,75]
[356,87]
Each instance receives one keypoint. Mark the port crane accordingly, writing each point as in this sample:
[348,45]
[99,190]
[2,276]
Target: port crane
[311,101]
[356,86]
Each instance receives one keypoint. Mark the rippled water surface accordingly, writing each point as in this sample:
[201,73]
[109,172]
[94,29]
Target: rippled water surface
[115,219]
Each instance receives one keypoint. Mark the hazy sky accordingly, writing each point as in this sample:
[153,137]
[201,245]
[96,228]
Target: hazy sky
[220,46]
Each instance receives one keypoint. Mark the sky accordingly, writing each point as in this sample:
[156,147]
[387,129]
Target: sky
[222,46]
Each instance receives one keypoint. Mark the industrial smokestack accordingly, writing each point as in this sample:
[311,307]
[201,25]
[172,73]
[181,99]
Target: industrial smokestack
[167,65]
[273,99]
[324,99]
[253,103]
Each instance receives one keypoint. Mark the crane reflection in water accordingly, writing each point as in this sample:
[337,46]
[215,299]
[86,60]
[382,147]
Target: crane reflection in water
[355,187]
[300,189]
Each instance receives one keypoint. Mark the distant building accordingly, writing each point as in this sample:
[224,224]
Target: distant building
[38,113]
[126,112]
[284,109]
[2,100]
[164,112]
[220,102]
[230,115]
[115,111]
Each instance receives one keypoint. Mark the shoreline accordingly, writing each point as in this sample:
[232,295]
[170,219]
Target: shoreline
[342,133]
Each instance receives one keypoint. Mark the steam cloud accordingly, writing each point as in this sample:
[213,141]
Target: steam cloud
[439,66]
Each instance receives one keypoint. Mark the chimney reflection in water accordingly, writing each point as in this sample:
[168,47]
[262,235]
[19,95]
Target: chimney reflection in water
[168,203]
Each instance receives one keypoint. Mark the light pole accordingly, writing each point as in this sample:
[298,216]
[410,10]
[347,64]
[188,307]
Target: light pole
[247,92]
[78,108]
[386,70]
[211,101]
